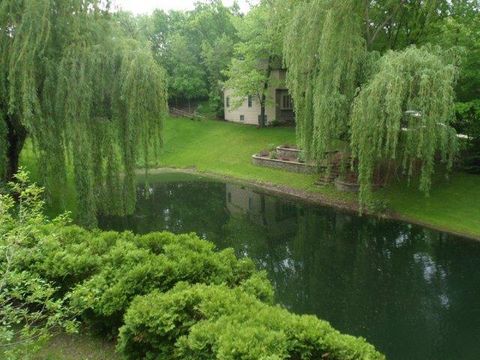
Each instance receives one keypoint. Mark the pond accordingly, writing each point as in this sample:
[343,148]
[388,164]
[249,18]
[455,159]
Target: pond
[412,292]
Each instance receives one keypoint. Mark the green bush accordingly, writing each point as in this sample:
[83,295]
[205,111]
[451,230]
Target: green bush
[202,322]
[29,305]
[68,255]
[129,270]
[104,271]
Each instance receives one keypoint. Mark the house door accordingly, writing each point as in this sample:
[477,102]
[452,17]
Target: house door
[284,107]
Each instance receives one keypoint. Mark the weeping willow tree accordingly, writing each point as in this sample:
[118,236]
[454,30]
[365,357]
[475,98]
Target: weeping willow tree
[404,113]
[343,90]
[324,53]
[89,99]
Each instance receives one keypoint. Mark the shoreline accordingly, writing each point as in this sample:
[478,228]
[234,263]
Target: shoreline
[311,198]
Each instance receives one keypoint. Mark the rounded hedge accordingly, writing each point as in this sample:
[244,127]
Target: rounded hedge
[203,322]
[176,297]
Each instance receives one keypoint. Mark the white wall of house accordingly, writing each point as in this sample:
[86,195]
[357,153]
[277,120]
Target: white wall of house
[248,113]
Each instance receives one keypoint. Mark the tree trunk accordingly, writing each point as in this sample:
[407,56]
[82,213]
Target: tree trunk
[16,140]
[261,120]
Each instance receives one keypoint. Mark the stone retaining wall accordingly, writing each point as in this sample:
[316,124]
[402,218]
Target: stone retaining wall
[288,152]
[292,166]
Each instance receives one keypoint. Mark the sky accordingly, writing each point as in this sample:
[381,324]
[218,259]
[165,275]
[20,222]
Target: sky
[147,6]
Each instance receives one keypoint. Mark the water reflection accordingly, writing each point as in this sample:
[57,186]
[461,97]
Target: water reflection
[411,291]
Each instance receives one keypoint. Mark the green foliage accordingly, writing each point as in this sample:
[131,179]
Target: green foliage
[207,322]
[217,57]
[29,307]
[415,80]
[3,147]
[333,51]
[83,92]
[461,30]
[194,47]
[256,55]
[468,123]
[399,24]
[187,79]
[131,268]
[324,53]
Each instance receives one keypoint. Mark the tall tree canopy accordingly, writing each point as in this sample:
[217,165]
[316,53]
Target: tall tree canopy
[324,58]
[195,48]
[349,84]
[256,55]
[84,93]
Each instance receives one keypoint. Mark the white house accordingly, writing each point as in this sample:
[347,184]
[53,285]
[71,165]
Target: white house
[279,106]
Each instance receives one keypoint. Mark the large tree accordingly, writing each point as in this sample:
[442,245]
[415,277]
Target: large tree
[339,53]
[256,55]
[87,96]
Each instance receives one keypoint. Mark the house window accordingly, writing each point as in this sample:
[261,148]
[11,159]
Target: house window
[229,197]
[242,117]
[228,101]
[287,103]
[250,101]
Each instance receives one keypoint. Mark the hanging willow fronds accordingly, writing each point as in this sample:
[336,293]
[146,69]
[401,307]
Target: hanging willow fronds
[328,63]
[404,113]
[83,92]
[324,52]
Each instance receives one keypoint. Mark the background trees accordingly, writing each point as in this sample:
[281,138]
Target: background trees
[195,48]
[256,55]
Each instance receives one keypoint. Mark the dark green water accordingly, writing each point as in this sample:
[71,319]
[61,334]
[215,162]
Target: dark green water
[413,292]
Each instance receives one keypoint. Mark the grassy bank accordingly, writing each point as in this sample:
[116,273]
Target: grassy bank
[226,149]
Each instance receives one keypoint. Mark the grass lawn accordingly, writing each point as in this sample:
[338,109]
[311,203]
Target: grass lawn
[453,204]
[226,149]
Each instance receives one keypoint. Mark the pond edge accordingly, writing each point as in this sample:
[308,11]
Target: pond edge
[307,197]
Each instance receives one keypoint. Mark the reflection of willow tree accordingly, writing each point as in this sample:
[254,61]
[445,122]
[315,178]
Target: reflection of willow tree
[178,207]
[456,276]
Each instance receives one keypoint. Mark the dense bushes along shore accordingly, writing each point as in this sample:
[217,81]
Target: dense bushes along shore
[165,296]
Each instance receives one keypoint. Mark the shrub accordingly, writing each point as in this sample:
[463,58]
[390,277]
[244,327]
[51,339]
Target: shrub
[155,261]
[203,322]
[68,255]
[29,308]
